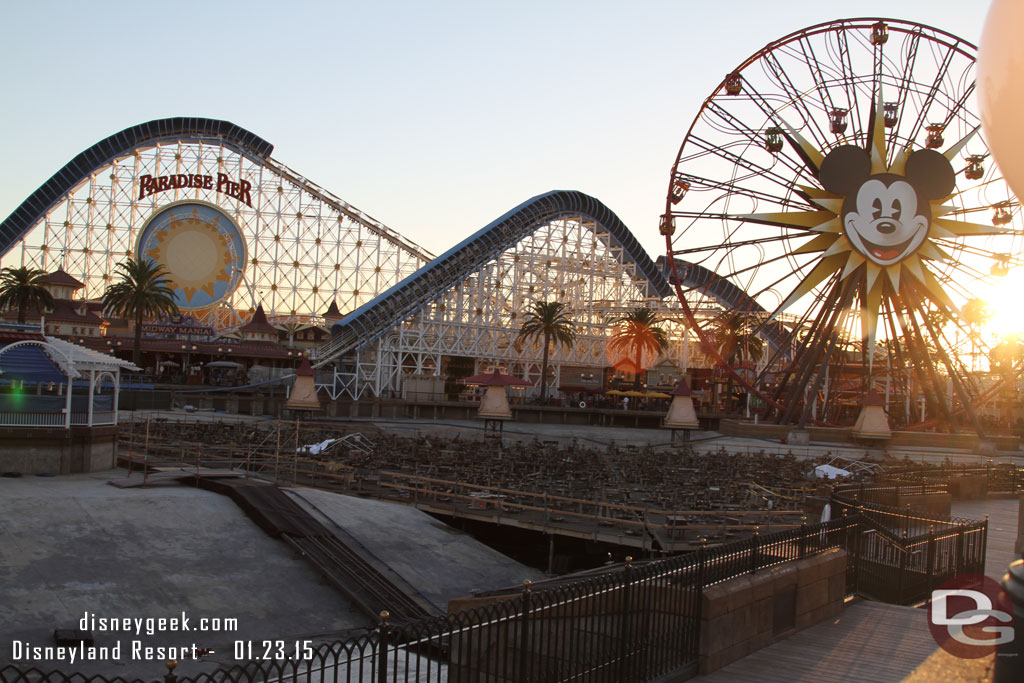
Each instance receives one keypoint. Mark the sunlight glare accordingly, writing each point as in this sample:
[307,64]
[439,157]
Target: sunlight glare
[1004,299]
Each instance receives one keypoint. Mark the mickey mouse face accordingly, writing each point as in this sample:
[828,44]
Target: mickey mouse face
[885,222]
[886,216]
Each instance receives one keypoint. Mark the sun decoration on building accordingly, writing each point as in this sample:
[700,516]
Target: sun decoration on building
[202,249]
[879,222]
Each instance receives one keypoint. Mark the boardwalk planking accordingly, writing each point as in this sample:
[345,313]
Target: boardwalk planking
[873,641]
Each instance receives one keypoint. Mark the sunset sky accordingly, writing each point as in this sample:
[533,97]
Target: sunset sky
[434,118]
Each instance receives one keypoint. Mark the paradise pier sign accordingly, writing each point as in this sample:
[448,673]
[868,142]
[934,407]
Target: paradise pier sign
[151,185]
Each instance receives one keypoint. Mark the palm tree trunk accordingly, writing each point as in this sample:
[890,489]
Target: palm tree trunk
[639,356]
[137,348]
[544,368]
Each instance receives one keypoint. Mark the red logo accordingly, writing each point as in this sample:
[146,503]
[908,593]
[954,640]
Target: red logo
[970,616]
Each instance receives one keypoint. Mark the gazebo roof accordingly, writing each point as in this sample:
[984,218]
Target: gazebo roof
[87,359]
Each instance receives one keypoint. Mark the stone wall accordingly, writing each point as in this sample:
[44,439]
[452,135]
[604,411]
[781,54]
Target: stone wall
[750,612]
[44,450]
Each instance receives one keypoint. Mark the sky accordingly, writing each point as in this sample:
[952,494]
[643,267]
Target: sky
[435,118]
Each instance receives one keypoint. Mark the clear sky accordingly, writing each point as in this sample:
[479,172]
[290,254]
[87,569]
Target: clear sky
[433,117]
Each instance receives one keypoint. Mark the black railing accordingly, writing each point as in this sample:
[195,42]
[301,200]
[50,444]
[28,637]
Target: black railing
[903,554]
[637,621]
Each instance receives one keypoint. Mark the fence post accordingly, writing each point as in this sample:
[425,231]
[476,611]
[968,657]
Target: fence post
[170,676]
[803,536]
[755,542]
[524,632]
[960,548]
[382,643]
[858,535]
[624,627]
[930,559]
[903,570]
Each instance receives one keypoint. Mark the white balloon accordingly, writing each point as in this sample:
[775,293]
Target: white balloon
[1001,88]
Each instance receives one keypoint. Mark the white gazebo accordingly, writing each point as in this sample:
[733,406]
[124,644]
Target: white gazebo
[75,363]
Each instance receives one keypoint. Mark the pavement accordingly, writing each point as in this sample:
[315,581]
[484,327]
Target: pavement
[73,545]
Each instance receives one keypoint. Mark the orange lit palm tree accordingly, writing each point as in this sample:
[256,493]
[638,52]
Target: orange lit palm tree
[550,321]
[636,332]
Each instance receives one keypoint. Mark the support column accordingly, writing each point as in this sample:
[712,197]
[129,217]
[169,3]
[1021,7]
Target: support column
[67,404]
[117,392]
[92,393]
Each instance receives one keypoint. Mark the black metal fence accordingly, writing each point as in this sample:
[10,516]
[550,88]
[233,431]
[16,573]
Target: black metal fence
[636,622]
[902,554]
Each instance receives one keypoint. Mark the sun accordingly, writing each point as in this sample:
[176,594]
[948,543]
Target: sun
[195,252]
[880,224]
[1003,299]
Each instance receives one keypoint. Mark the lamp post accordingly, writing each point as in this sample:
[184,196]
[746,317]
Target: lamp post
[188,347]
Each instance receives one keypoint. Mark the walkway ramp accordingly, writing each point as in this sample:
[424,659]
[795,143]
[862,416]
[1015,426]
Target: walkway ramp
[869,641]
[372,589]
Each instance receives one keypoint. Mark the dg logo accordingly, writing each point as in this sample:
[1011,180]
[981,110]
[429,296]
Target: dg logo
[970,616]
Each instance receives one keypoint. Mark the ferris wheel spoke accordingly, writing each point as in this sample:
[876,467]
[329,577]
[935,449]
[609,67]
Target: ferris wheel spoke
[903,88]
[933,91]
[749,133]
[815,69]
[761,171]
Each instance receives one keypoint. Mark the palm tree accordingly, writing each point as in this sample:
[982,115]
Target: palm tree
[735,341]
[976,312]
[23,287]
[550,320]
[144,291]
[638,331]
[733,335]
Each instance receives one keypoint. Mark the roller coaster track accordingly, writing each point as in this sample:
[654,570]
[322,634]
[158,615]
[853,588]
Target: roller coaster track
[372,320]
[177,129]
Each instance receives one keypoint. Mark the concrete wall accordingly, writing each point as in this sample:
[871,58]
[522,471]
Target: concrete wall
[841,435]
[750,612]
[27,450]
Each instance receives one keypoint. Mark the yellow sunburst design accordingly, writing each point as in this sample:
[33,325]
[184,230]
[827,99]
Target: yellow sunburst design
[195,252]
[828,236]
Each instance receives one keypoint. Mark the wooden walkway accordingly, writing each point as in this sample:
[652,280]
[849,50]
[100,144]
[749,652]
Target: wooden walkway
[872,641]
[1002,530]
[869,641]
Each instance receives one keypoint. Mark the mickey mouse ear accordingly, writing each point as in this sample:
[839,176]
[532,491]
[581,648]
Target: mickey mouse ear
[930,173]
[844,169]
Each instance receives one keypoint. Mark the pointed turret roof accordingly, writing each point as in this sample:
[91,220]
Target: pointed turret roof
[258,323]
[683,389]
[333,312]
[305,369]
[62,279]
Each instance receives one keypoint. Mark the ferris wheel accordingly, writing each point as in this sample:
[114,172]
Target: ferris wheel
[829,217]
